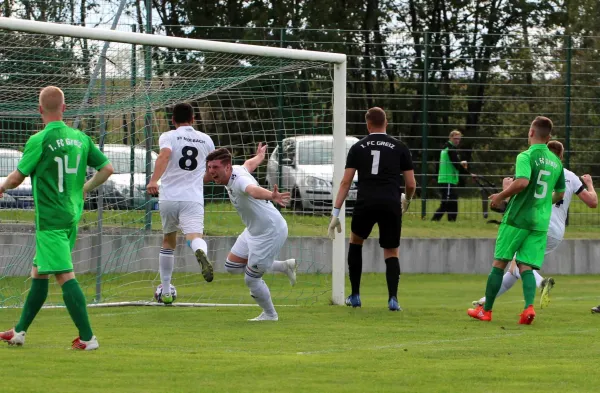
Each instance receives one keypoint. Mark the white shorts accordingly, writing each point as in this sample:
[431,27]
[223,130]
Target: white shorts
[187,216]
[551,244]
[260,251]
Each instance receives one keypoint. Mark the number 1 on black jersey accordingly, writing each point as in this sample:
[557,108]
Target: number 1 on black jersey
[375,167]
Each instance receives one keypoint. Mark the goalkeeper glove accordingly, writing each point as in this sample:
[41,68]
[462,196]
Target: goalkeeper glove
[405,203]
[334,224]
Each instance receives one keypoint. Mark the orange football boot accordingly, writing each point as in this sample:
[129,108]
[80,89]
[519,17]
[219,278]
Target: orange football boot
[480,313]
[527,316]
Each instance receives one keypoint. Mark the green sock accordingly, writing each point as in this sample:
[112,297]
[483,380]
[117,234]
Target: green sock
[35,300]
[494,283]
[75,302]
[529,287]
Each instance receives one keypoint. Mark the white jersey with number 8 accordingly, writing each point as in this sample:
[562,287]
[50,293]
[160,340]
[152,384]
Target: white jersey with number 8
[183,180]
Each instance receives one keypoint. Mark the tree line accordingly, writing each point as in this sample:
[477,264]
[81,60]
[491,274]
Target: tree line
[487,67]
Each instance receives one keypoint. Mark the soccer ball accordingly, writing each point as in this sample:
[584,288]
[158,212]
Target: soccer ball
[158,293]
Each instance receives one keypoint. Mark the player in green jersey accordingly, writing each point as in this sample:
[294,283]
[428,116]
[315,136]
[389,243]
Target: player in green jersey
[57,158]
[524,227]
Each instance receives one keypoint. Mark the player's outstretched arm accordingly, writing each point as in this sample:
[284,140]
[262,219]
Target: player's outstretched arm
[345,184]
[257,192]
[99,178]
[344,187]
[589,196]
[410,186]
[253,163]
[159,169]
[13,180]
[522,175]
[513,189]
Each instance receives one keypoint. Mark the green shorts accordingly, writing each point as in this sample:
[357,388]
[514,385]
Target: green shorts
[528,247]
[53,250]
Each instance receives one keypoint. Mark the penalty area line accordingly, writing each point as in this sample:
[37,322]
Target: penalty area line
[155,304]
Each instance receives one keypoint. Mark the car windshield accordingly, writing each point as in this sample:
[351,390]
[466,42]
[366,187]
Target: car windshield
[8,164]
[318,152]
[120,160]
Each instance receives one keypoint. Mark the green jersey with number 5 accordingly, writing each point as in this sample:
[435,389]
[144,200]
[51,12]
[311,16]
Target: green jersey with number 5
[531,208]
[57,158]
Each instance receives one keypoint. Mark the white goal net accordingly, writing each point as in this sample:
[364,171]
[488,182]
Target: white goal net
[120,88]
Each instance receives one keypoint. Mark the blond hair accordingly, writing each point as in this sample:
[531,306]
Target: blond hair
[455,133]
[52,99]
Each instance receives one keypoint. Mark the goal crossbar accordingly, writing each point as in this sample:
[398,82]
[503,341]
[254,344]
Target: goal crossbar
[167,41]
[336,60]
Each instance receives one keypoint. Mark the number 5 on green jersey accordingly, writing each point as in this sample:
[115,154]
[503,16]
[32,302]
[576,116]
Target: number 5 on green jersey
[543,184]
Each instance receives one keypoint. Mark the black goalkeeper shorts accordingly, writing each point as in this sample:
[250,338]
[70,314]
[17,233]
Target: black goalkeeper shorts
[388,218]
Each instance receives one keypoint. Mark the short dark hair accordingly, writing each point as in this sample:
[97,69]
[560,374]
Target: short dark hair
[375,116]
[542,126]
[557,148]
[221,154]
[183,113]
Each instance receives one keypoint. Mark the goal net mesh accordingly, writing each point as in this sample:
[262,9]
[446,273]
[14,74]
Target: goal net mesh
[111,94]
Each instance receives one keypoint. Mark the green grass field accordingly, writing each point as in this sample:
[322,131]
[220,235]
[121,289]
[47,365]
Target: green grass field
[222,220]
[430,347]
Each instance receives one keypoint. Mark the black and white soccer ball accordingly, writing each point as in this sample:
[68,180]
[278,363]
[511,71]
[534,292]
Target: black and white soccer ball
[159,290]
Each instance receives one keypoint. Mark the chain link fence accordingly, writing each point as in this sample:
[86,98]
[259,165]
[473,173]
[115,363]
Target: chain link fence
[490,87]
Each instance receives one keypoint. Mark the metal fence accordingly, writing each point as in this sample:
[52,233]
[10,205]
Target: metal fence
[488,87]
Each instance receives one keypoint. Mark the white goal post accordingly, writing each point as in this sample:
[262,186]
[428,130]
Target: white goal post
[337,60]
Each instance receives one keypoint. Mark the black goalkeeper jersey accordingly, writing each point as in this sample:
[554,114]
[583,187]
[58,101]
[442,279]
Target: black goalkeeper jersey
[379,160]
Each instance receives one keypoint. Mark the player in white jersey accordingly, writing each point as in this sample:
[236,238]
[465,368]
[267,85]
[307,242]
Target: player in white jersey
[181,166]
[255,250]
[556,229]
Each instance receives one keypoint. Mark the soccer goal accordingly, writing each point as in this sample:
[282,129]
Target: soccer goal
[119,89]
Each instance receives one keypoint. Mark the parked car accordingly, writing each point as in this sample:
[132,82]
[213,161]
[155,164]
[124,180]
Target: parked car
[307,171]
[118,191]
[22,196]
[117,194]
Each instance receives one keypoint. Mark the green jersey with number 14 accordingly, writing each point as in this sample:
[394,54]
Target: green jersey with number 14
[57,158]
[531,208]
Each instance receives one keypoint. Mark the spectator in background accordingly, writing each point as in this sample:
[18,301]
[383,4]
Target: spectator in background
[450,168]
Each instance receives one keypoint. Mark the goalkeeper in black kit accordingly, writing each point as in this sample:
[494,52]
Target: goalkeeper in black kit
[382,163]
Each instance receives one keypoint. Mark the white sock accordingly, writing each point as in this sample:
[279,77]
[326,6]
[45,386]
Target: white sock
[234,267]
[260,292]
[199,243]
[279,266]
[508,280]
[166,263]
[538,278]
